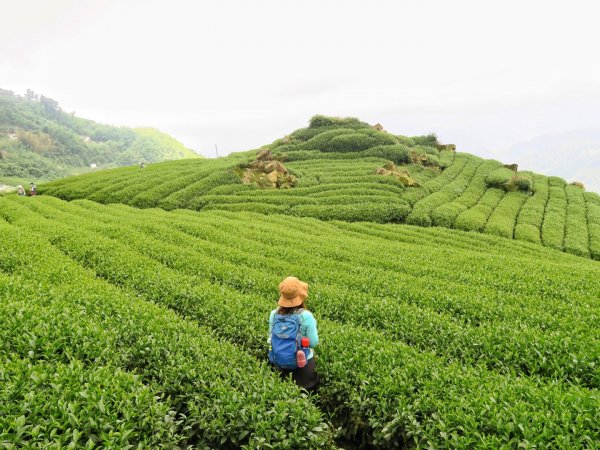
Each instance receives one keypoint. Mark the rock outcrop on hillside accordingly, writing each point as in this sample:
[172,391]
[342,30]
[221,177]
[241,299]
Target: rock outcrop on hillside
[266,172]
[390,169]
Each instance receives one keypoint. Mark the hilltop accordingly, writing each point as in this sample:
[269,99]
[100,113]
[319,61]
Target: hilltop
[39,141]
[346,169]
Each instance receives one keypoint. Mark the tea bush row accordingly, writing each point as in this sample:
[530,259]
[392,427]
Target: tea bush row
[446,214]
[593,215]
[421,213]
[531,216]
[435,184]
[504,217]
[553,227]
[576,227]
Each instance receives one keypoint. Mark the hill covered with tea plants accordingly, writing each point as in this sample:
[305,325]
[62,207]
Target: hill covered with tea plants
[146,328]
[345,169]
[39,141]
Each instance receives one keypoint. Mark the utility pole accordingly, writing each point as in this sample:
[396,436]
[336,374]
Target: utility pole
[217,150]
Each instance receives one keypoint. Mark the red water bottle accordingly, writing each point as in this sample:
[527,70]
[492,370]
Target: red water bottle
[300,355]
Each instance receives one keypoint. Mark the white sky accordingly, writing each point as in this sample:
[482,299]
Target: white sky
[243,73]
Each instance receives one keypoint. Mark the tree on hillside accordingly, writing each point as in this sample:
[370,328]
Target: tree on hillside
[51,106]
[32,96]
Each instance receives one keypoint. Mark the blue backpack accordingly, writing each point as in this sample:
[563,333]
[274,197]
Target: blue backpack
[285,341]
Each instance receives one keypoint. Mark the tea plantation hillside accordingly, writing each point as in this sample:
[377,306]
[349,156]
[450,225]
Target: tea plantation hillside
[344,169]
[39,141]
[147,328]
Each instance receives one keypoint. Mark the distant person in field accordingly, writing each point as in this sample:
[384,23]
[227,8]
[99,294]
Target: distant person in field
[32,189]
[20,190]
[293,335]
[142,165]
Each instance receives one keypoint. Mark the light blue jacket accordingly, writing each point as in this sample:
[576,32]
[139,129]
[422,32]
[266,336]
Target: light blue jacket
[308,328]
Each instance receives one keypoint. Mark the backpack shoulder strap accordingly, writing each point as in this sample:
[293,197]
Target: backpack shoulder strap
[298,313]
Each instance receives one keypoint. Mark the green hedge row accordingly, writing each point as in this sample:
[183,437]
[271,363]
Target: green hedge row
[446,214]
[422,211]
[189,195]
[576,230]
[476,218]
[553,227]
[531,216]
[592,201]
[503,219]
[415,194]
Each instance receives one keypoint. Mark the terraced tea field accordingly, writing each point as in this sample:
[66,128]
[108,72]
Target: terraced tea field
[147,327]
[337,180]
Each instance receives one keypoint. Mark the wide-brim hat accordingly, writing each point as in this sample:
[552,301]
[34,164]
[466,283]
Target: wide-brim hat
[293,292]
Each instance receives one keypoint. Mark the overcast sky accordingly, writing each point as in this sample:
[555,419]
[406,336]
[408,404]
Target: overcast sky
[243,73]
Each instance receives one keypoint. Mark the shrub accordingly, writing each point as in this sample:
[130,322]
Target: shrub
[522,183]
[423,209]
[592,201]
[321,141]
[405,140]
[476,218]
[354,142]
[576,229]
[502,221]
[557,181]
[284,147]
[398,153]
[553,226]
[379,137]
[529,222]
[433,160]
[499,177]
[429,140]
[446,159]
[320,121]
[447,214]
[395,211]
[506,179]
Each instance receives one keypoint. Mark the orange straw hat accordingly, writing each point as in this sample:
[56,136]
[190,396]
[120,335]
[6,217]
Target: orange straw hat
[293,292]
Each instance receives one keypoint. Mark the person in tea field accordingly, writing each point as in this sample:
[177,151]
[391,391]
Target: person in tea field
[32,189]
[20,190]
[293,335]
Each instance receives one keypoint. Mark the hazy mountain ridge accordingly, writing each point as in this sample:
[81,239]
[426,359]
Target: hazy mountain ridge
[574,155]
[40,141]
